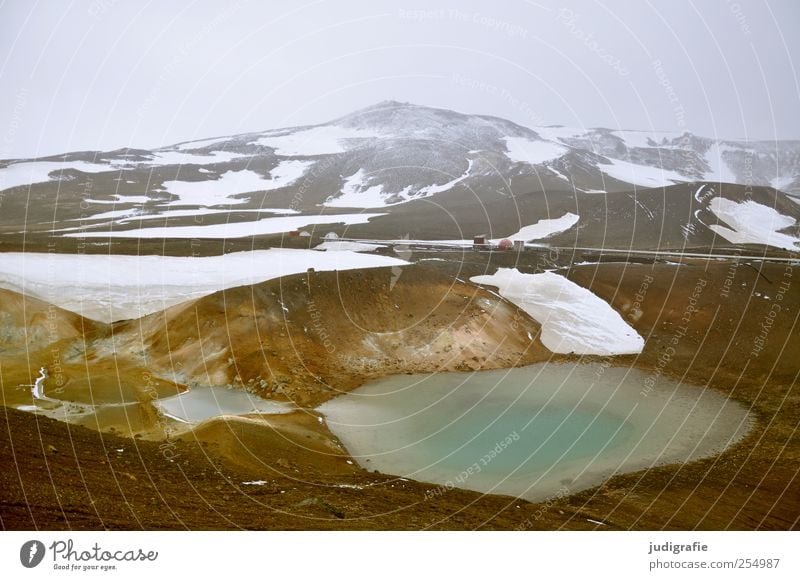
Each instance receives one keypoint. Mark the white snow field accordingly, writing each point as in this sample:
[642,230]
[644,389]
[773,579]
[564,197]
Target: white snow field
[720,171]
[221,191]
[573,319]
[541,229]
[643,175]
[181,158]
[752,223]
[202,144]
[356,193]
[545,227]
[322,140]
[264,226]
[522,150]
[342,245]
[30,172]
[108,287]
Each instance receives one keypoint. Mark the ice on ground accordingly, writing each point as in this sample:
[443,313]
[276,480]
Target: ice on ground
[559,132]
[781,183]
[642,175]
[644,139]
[204,211]
[573,319]
[202,403]
[30,172]
[322,140]
[720,171]
[752,223]
[122,199]
[125,216]
[287,172]
[108,215]
[181,158]
[523,150]
[545,227]
[340,246]
[220,191]
[265,226]
[203,143]
[430,190]
[541,229]
[107,287]
[356,193]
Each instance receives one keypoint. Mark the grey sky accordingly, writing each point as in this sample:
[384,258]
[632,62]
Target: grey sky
[103,74]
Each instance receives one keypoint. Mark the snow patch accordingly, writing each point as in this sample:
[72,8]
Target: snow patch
[545,227]
[642,175]
[230,183]
[322,140]
[265,226]
[720,171]
[119,199]
[108,287]
[782,183]
[644,139]
[573,319]
[430,190]
[523,150]
[202,144]
[30,172]
[343,246]
[752,223]
[356,193]
[181,158]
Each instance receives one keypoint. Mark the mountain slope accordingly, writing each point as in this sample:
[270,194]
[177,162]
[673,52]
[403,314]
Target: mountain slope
[384,158]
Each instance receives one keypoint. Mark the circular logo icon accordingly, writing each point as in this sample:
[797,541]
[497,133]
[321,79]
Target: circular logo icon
[31,553]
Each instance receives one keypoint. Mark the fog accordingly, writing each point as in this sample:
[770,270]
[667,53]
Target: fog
[103,74]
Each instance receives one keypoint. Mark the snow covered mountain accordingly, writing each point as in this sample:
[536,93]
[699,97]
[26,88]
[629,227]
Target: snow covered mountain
[384,156]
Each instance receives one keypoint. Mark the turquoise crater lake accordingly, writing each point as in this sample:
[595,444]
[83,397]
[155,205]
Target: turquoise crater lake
[530,432]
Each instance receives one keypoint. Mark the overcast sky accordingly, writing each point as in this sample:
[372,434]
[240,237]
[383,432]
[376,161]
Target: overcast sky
[103,74]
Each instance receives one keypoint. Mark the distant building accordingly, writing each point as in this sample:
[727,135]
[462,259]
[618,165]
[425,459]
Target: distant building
[479,241]
[519,245]
[505,244]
